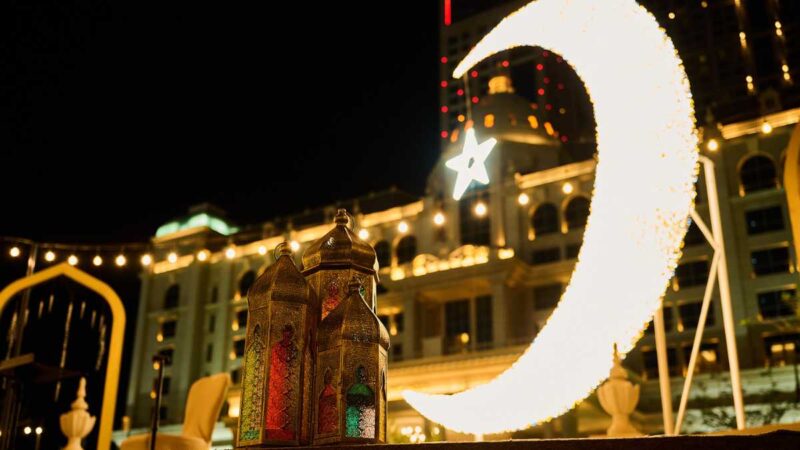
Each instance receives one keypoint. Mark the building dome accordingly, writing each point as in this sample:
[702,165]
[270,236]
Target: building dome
[341,248]
[508,116]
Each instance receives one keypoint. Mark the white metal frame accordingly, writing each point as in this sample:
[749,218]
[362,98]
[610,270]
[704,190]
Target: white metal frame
[718,271]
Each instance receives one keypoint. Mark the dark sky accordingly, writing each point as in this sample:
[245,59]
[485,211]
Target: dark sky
[115,118]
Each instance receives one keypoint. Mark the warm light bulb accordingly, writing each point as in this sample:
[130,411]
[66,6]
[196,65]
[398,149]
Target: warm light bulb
[712,145]
[402,227]
[567,188]
[14,252]
[363,234]
[766,128]
[262,250]
[153,394]
[230,253]
[172,257]
[27,430]
[671,15]
[202,255]
[121,260]
[480,209]
[72,260]
[39,430]
[97,260]
[49,256]
[156,365]
[159,337]
[523,199]
[294,245]
[438,218]
[146,259]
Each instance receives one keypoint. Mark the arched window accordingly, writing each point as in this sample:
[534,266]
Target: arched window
[758,173]
[475,227]
[406,249]
[545,219]
[384,254]
[245,282]
[577,212]
[172,296]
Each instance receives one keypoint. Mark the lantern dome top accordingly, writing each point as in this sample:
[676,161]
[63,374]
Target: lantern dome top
[281,281]
[352,320]
[340,248]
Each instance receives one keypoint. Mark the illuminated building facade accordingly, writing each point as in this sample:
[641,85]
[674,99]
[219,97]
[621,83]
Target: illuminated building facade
[466,285]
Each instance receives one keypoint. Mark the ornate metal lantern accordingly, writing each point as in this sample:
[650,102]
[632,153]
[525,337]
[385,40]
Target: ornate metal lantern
[279,357]
[350,387]
[330,262]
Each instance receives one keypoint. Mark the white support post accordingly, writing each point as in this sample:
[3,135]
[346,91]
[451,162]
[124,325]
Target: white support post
[663,370]
[724,291]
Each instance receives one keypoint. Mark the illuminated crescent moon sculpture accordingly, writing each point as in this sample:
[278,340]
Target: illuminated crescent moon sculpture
[643,193]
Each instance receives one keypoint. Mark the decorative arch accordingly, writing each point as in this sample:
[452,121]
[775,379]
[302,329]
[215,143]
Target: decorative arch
[545,219]
[383,251]
[576,212]
[406,249]
[791,184]
[117,331]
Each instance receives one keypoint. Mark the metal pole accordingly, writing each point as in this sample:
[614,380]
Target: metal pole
[698,337]
[725,292]
[663,371]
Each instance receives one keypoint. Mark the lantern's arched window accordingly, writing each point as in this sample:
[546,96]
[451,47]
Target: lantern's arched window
[406,249]
[758,173]
[576,213]
[384,253]
[545,219]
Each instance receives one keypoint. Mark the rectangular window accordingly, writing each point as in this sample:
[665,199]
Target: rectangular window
[399,321]
[694,273]
[238,347]
[694,236]
[168,328]
[690,314]
[166,382]
[782,349]
[167,353]
[384,320]
[483,319]
[764,220]
[780,303]
[474,223]
[162,413]
[547,296]
[214,295]
[708,358]
[241,318]
[236,376]
[397,351]
[650,359]
[573,250]
[545,255]
[209,352]
[456,324]
[212,323]
[771,260]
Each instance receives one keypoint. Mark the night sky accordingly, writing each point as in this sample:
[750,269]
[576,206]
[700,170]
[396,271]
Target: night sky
[114,118]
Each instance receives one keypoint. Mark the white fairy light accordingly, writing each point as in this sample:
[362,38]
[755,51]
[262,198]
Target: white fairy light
[363,234]
[14,252]
[645,138]
[72,260]
[49,256]
[146,260]
[202,255]
[121,260]
[294,245]
[438,219]
[230,252]
[262,250]
[523,199]
[402,227]
[172,257]
[97,261]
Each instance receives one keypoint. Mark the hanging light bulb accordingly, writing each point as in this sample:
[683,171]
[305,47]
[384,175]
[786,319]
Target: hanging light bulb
[146,259]
[230,252]
[766,128]
[363,234]
[39,430]
[480,209]
[202,255]
[120,260]
[438,219]
[97,261]
[712,145]
[402,227]
[523,199]
[262,250]
[172,257]
[567,188]
[294,245]
[49,256]
[14,252]
[72,260]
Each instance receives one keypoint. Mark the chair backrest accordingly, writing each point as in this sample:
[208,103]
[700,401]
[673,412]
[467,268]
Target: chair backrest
[203,405]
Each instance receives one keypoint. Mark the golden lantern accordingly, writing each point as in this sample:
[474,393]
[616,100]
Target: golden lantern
[283,313]
[351,368]
[330,262]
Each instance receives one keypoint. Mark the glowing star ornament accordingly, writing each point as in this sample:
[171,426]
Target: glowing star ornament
[471,163]
[647,165]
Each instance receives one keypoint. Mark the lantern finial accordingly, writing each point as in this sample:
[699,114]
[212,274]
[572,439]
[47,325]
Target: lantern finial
[342,218]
